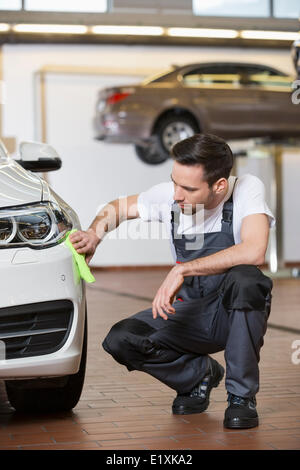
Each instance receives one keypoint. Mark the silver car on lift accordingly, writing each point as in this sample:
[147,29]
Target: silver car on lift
[43,326]
[234,100]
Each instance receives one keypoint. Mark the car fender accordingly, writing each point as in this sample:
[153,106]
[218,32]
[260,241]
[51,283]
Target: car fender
[199,115]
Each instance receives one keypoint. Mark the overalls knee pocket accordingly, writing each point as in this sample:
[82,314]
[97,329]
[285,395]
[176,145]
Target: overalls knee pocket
[192,328]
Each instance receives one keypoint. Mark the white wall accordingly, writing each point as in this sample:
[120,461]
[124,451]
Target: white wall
[94,173]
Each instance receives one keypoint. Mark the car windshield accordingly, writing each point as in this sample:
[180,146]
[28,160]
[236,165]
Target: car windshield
[159,76]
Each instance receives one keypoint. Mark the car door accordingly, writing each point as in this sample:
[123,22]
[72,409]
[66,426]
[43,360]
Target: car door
[220,99]
[275,112]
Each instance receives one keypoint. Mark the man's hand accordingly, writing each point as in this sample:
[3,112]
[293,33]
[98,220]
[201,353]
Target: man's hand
[85,243]
[166,293]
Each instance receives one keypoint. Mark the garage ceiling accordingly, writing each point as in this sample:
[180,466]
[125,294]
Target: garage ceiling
[164,13]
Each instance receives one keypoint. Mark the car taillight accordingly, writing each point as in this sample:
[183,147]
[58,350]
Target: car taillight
[116,97]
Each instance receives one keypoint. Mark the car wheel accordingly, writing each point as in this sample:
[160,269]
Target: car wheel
[150,154]
[173,128]
[49,395]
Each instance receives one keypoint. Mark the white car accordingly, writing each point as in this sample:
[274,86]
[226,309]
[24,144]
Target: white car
[43,325]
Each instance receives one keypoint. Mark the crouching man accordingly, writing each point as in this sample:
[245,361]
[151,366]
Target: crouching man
[215,297]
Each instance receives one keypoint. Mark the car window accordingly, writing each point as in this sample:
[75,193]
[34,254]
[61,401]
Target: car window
[211,75]
[258,69]
[263,77]
[235,75]
[211,79]
[258,76]
[264,81]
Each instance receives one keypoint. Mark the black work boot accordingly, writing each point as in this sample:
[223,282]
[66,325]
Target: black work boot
[241,413]
[197,400]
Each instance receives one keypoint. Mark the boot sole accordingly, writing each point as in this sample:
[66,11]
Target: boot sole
[185,410]
[241,423]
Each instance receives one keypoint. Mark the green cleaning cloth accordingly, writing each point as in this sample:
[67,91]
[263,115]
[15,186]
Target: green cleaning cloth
[82,267]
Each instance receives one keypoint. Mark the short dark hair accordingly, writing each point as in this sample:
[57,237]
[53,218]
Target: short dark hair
[208,150]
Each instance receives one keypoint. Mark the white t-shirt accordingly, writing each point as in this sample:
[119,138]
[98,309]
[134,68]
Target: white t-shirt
[248,198]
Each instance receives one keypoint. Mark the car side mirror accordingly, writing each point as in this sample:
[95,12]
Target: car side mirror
[38,157]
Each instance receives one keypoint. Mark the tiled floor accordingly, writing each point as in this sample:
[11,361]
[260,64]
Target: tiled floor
[131,410]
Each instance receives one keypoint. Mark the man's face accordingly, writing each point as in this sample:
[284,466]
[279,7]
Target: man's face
[190,188]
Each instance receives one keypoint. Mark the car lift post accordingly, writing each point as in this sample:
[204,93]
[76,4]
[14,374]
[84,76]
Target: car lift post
[275,149]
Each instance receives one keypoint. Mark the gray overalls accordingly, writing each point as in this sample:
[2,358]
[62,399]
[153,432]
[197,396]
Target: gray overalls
[226,311]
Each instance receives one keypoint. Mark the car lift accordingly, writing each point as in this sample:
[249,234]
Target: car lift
[270,147]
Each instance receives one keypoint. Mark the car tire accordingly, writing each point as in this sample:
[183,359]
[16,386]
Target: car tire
[158,151]
[150,154]
[173,128]
[49,395]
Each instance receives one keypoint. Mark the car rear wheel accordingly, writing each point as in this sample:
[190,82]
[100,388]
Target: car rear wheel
[150,153]
[168,131]
[174,128]
[49,395]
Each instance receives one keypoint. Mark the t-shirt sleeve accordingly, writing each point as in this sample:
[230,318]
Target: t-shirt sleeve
[154,203]
[250,197]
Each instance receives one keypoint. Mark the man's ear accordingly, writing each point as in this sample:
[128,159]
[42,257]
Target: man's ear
[220,185]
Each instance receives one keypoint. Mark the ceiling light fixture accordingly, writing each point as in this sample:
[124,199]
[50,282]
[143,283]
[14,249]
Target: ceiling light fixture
[202,33]
[128,30]
[275,35]
[151,31]
[4,27]
[50,28]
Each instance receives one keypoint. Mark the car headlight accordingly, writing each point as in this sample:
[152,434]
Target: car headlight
[36,225]
[8,229]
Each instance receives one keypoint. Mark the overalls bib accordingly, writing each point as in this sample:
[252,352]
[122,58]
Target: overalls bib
[188,248]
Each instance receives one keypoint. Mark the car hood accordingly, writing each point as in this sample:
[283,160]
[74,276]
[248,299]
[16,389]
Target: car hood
[18,186]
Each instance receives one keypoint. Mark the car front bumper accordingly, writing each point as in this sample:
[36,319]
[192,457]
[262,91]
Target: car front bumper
[42,296]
